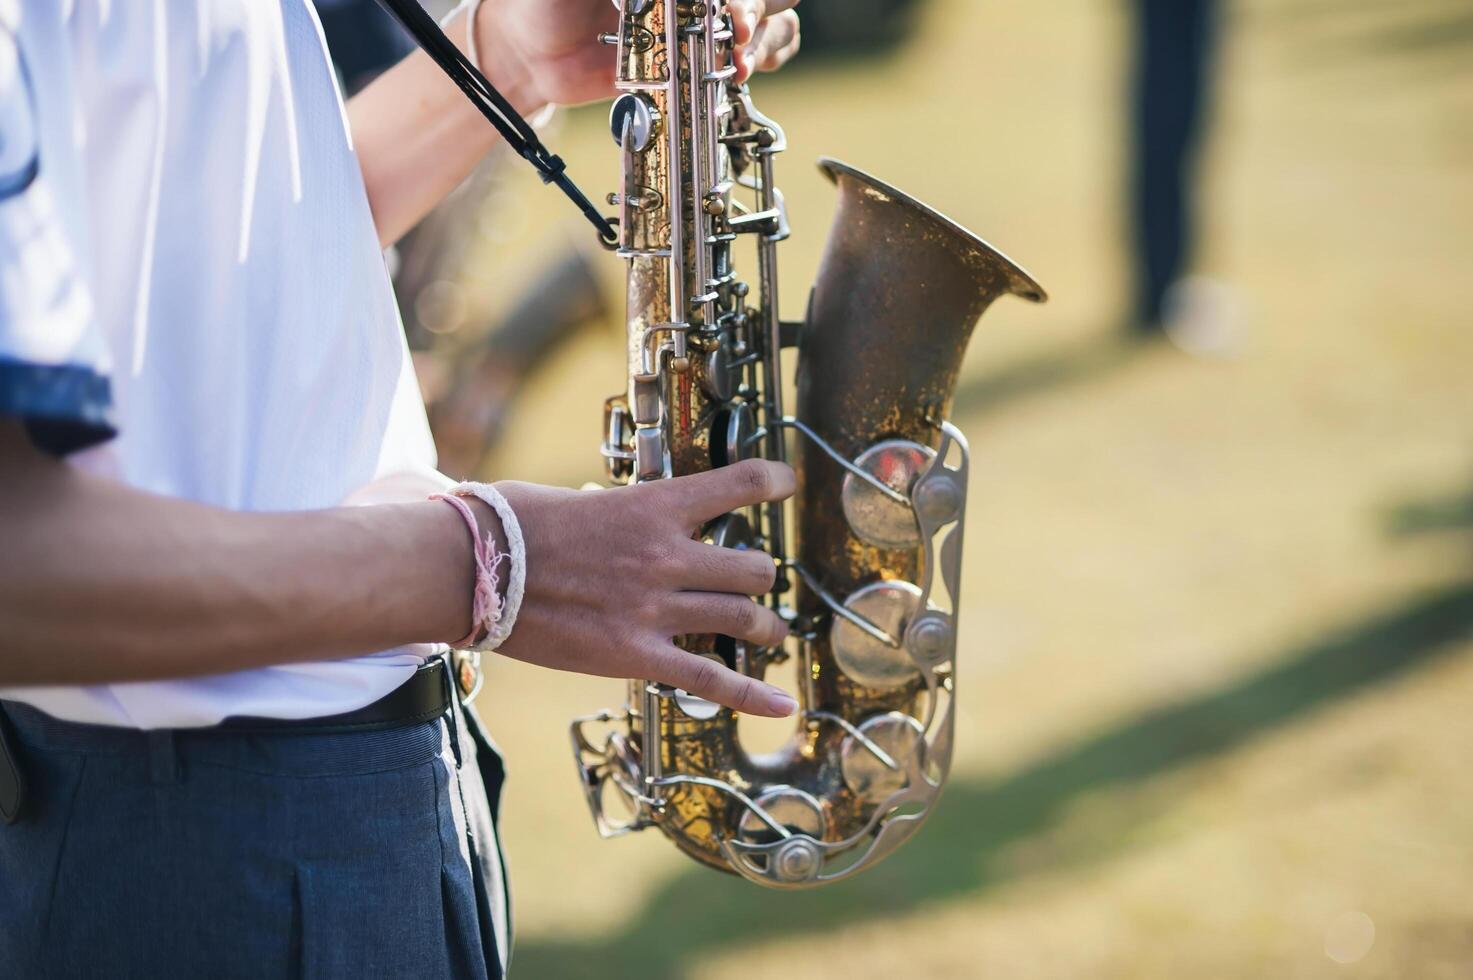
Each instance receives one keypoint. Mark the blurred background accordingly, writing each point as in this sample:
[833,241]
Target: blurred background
[1216,685]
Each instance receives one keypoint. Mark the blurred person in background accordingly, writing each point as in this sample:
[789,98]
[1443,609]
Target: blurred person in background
[230,740]
[1175,52]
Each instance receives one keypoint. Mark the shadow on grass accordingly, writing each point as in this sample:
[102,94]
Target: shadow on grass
[962,849]
[1452,32]
[1447,513]
[1410,32]
[1047,373]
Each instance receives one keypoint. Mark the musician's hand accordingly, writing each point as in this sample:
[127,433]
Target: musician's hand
[613,575]
[551,46]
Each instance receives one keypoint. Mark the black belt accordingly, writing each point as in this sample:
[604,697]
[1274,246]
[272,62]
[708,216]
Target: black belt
[427,695]
[424,697]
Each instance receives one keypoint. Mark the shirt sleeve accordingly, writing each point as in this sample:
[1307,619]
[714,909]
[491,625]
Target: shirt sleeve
[54,363]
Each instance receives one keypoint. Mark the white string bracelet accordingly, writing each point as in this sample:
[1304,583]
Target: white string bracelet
[472,50]
[496,618]
[472,8]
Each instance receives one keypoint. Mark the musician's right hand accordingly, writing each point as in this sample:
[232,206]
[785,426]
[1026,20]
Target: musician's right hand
[613,575]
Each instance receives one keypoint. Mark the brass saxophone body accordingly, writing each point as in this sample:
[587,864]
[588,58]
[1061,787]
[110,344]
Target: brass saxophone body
[869,551]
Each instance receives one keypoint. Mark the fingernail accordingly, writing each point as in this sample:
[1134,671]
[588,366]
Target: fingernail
[780,703]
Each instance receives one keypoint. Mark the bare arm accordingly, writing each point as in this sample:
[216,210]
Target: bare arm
[417,136]
[100,582]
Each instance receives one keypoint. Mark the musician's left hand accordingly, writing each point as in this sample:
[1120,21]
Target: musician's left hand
[552,45]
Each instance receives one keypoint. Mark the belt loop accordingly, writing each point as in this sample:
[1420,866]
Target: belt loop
[163,757]
[469,675]
[12,773]
[452,720]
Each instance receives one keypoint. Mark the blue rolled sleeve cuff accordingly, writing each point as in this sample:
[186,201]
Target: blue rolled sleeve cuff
[65,407]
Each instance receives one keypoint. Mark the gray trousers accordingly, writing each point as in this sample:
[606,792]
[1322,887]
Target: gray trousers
[198,853]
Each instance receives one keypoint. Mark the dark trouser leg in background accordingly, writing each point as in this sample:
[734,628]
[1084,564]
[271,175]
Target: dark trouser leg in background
[1174,55]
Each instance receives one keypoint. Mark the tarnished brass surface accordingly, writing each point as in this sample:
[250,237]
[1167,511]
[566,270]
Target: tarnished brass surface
[898,291]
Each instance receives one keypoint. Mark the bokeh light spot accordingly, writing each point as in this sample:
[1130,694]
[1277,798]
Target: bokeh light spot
[1350,937]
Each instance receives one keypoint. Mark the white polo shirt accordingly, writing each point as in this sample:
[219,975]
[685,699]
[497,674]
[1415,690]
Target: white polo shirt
[192,297]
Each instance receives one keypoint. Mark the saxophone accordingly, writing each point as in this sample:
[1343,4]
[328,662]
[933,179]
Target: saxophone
[870,584]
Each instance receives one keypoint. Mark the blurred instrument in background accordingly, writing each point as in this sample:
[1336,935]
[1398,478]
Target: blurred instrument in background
[868,577]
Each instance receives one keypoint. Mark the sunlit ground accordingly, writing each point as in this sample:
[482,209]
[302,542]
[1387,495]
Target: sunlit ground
[1218,615]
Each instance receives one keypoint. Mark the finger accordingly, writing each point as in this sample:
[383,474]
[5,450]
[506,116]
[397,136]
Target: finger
[699,497]
[690,613]
[743,55]
[742,58]
[713,681]
[780,41]
[745,16]
[751,56]
[710,568]
[782,57]
[755,51]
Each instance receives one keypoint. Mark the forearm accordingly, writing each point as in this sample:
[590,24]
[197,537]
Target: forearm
[417,136]
[100,582]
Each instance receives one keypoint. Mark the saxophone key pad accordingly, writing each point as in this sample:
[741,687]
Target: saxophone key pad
[732,435]
[797,811]
[695,708]
[641,117]
[869,660]
[729,531]
[649,454]
[870,777]
[877,519]
[718,379]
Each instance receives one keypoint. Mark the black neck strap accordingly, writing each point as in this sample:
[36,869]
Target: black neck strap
[493,105]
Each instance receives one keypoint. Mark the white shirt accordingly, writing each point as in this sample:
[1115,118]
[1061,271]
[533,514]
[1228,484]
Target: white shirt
[192,298]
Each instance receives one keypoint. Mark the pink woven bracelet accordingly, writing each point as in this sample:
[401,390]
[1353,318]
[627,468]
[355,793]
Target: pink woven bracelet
[486,599]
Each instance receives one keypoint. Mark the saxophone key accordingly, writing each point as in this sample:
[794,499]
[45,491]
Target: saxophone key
[635,114]
[794,810]
[875,517]
[875,765]
[718,380]
[864,658]
[650,459]
[732,434]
